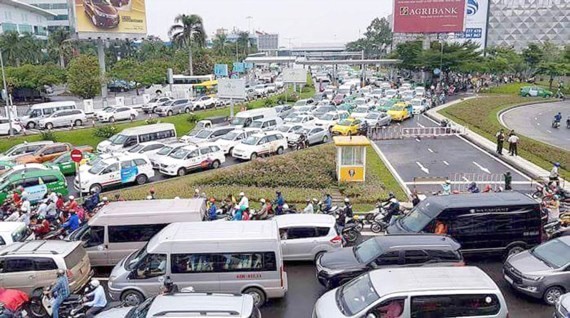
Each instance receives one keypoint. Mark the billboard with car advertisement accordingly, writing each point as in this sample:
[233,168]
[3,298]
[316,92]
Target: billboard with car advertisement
[475,23]
[110,18]
[429,16]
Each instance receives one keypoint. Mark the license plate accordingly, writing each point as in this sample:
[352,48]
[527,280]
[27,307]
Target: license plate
[508,279]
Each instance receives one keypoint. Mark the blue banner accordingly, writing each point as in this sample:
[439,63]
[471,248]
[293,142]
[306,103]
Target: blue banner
[248,66]
[238,67]
[221,70]
[36,193]
[129,174]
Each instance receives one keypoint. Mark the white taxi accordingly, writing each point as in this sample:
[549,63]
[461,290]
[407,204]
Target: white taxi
[203,156]
[228,141]
[260,144]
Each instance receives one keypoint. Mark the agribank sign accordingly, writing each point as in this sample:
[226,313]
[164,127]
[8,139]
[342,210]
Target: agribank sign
[429,16]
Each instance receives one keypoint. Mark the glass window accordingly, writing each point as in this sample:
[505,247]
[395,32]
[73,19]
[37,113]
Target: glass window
[300,232]
[246,262]
[49,179]
[192,263]
[30,182]
[416,257]
[112,168]
[357,295]
[2,242]
[455,306]
[140,162]
[205,151]
[152,265]
[390,258]
[322,231]
[44,264]
[94,236]
[214,148]
[133,233]
[14,265]
[73,258]
[352,156]
[444,255]
[20,234]
[367,251]
[554,253]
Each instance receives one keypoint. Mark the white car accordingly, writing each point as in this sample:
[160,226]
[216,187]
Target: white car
[420,91]
[303,119]
[117,170]
[330,119]
[112,114]
[23,149]
[204,102]
[164,151]
[151,106]
[5,126]
[391,93]
[405,86]
[192,157]
[419,105]
[260,144]
[147,148]
[360,112]
[228,141]
[289,129]
[62,118]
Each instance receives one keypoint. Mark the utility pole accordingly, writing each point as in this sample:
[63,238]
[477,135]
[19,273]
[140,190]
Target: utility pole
[8,112]
[101,56]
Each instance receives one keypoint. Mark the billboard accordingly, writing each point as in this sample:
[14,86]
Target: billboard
[238,67]
[221,70]
[268,42]
[429,16]
[231,88]
[294,75]
[475,23]
[109,18]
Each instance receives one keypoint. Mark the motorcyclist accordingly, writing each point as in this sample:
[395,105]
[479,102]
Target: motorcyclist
[51,210]
[558,118]
[212,211]
[473,188]
[59,292]
[309,208]
[99,300]
[364,128]
[71,204]
[72,223]
[243,200]
[93,200]
[568,122]
[39,225]
[348,208]
[328,203]
[196,193]
[391,210]
[279,202]
[264,211]
[169,287]
[238,216]
[59,203]
[446,187]
[25,203]
[341,220]
[302,141]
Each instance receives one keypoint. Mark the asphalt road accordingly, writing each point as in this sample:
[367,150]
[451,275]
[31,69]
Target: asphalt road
[535,121]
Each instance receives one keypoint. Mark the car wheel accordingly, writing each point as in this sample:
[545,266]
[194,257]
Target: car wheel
[257,294]
[77,123]
[141,179]
[169,113]
[187,110]
[230,151]
[49,126]
[552,294]
[181,172]
[215,164]
[36,308]
[132,298]
[253,156]
[515,249]
[319,255]
[14,132]
[280,150]
[325,139]
[95,188]
[31,125]
[133,117]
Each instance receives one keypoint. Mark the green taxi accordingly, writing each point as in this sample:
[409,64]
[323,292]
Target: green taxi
[535,91]
[385,104]
[35,182]
[64,163]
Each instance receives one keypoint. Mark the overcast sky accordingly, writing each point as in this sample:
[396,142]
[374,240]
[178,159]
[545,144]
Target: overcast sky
[304,21]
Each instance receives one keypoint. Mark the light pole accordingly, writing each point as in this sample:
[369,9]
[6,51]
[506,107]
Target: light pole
[249,18]
[8,113]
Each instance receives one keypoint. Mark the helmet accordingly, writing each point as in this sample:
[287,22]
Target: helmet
[556,197]
[557,164]
[346,200]
[41,217]
[308,200]
[241,194]
[60,272]
[212,200]
[149,197]
[393,200]
[315,200]
[391,194]
[71,197]
[472,184]
[95,283]
[262,200]
[447,181]
[105,199]
[197,191]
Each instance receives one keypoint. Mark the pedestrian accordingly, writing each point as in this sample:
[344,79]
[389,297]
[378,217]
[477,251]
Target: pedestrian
[508,180]
[513,143]
[500,139]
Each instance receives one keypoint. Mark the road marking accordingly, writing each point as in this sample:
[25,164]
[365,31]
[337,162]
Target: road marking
[548,131]
[538,124]
[464,178]
[482,168]
[391,169]
[418,139]
[421,125]
[535,118]
[424,169]
[430,150]
[445,163]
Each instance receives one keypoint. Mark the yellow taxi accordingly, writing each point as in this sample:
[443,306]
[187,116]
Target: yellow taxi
[345,127]
[400,111]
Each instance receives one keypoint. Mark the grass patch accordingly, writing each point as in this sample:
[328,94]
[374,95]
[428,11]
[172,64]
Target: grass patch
[480,115]
[298,175]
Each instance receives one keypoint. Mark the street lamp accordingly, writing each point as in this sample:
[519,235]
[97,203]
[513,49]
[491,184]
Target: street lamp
[8,113]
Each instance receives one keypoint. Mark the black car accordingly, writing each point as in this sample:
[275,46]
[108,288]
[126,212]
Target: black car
[338,267]
[101,13]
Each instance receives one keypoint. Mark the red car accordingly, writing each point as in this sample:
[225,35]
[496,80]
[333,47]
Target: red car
[338,99]
[102,13]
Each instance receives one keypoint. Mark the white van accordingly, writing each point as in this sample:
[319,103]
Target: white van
[226,257]
[120,228]
[137,135]
[120,169]
[12,232]
[245,118]
[266,124]
[39,111]
[464,291]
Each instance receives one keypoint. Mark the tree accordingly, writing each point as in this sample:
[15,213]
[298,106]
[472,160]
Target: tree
[35,76]
[377,38]
[187,31]
[243,42]
[505,60]
[10,43]
[532,55]
[552,63]
[83,76]
[219,43]
[59,42]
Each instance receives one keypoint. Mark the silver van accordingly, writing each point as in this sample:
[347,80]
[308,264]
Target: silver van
[63,118]
[305,237]
[415,292]
[267,124]
[120,228]
[224,257]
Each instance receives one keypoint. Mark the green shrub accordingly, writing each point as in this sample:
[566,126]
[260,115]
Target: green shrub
[152,121]
[281,100]
[269,102]
[193,118]
[105,131]
[293,97]
[48,135]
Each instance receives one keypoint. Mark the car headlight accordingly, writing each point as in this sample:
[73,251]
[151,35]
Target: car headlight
[333,271]
[533,278]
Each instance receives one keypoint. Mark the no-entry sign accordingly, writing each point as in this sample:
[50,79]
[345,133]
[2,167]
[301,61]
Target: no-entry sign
[76,155]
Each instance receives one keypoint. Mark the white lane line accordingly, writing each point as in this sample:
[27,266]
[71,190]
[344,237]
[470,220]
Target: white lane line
[538,124]
[445,163]
[424,169]
[421,125]
[392,169]
[548,131]
[482,168]
[430,150]
[418,140]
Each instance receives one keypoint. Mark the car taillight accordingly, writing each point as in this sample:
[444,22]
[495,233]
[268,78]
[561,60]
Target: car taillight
[462,263]
[337,239]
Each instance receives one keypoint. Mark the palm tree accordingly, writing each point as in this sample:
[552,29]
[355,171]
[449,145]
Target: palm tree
[31,48]
[188,30]
[243,41]
[59,42]
[10,46]
[220,42]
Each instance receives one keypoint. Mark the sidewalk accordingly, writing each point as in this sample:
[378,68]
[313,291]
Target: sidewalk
[529,168]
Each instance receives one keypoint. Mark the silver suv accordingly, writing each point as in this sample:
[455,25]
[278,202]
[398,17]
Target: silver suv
[62,118]
[33,265]
[177,106]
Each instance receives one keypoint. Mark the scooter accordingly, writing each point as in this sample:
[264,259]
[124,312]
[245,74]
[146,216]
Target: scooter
[71,307]
[555,124]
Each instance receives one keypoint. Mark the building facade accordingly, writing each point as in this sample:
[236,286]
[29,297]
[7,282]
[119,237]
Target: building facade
[518,23]
[59,8]
[24,18]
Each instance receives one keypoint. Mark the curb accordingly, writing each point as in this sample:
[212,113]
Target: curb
[392,170]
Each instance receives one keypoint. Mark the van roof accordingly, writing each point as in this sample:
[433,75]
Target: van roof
[510,198]
[53,104]
[184,304]
[11,226]
[403,241]
[182,234]
[41,247]
[253,112]
[147,129]
[412,279]
[139,211]
[304,220]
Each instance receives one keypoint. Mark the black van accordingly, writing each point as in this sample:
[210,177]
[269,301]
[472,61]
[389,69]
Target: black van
[506,222]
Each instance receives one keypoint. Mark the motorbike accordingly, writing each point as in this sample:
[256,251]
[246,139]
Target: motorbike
[350,234]
[321,208]
[555,124]
[72,307]
[301,144]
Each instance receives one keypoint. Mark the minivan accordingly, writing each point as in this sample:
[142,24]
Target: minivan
[421,292]
[504,222]
[38,111]
[266,124]
[35,182]
[226,257]
[130,137]
[338,267]
[63,118]
[245,118]
[123,227]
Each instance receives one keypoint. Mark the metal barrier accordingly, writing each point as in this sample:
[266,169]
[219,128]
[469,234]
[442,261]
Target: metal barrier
[387,133]
[461,181]
[384,133]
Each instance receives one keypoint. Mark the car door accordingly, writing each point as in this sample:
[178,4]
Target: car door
[193,159]
[316,135]
[45,271]
[129,171]
[4,126]
[298,242]
[122,113]
[110,175]
[264,146]
[19,273]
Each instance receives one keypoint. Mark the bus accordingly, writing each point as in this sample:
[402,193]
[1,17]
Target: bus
[182,85]
[209,88]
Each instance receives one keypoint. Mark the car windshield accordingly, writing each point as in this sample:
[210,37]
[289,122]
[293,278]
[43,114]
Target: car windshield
[141,310]
[63,158]
[345,122]
[118,139]
[132,261]
[398,108]
[20,234]
[391,92]
[327,117]
[416,102]
[180,153]
[98,167]
[360,110]
[367,251]
[204,134]
[136,148]
[238,121]
[554,253]
[372,116]
[168,103]
[417,219]
[251,140]
[356,295]
[108,110]
[359,101]
[153,100]
[260,86]
[231,135]
[164,151]
[256,124]
[297,119]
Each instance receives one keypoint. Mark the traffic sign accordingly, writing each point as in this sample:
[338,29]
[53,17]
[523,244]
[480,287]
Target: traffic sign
[76,155]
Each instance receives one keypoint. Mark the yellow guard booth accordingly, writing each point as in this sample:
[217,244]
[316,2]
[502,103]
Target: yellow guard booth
[351,158]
